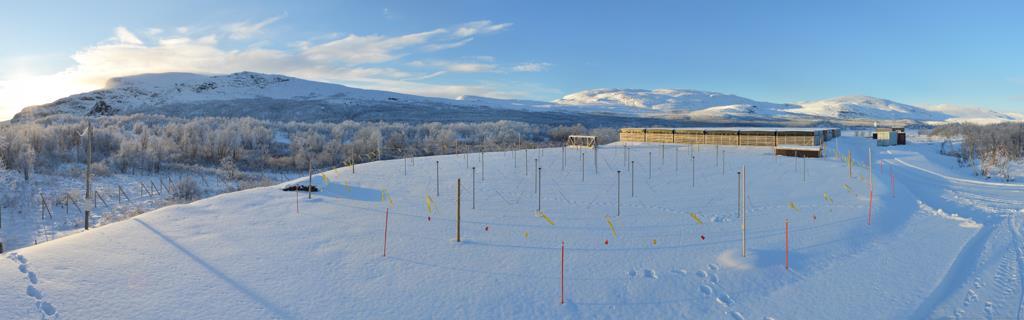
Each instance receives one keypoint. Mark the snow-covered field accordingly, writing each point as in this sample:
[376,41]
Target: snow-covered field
[938,245]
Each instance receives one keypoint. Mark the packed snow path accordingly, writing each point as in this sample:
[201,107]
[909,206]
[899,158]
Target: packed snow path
[675,250]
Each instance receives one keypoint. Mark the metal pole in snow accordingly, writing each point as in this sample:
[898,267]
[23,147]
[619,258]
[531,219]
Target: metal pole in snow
[474,188]
[618,192]
[632,178]
[583,166]
[744,211]
[787,244]
[538,189]
[387,212]
[458,210]
[693,171]
[650,163]
[437,178]
[562,275]
[482,177]
[536,180]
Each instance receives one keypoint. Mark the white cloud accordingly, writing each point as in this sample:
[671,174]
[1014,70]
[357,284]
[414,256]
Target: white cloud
[246,30]
[355,49]
[480,27]
[531,67]
[451,66]
[127,37]
[448,45]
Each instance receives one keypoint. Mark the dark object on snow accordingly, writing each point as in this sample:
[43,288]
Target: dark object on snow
[302,188]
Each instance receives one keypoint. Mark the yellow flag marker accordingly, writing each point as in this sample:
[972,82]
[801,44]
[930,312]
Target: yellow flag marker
[430,204]
[654,242]
[347,189]
[828,198]
[391,204]
[610,225]
[695,218]
[526,234]
[542,215]
[326,181]
[793,206]
[382,192]
[847,187]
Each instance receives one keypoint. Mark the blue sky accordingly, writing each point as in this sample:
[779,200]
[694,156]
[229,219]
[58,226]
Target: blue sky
[917,52]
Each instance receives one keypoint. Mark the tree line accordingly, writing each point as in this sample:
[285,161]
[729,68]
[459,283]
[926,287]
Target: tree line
[987,149]
[151,143]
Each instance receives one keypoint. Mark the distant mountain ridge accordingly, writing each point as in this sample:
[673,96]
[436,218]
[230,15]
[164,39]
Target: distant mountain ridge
[287,98]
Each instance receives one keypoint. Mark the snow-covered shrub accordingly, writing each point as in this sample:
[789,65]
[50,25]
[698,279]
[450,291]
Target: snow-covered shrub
[186,189]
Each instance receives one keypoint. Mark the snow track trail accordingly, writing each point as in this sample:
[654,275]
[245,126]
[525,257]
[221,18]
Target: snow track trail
[996,207]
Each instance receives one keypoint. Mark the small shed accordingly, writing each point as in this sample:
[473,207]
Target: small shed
[799,151]
[887,138]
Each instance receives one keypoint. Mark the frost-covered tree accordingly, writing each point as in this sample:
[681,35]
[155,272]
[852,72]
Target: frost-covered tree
[27,160]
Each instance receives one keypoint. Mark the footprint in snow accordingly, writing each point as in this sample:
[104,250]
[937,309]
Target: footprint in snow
[631,273]
[680,271]
[32,277]
[725,300]
[713,278]
[650,273]
[712,267]
[706,290]
[31,291]
[736,315]
[701,274]
[46,308]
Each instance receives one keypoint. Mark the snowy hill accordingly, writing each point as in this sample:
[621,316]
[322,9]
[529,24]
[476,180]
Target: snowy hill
[671,249]
[663,100]
[864,107]
[145,92]
[974,114]
[277,97]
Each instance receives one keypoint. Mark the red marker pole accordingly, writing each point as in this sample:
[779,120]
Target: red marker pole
[562,277]
[871,201]
[787,244]
[387,212]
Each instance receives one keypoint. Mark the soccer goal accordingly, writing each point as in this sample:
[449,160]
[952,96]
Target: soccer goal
[582,141]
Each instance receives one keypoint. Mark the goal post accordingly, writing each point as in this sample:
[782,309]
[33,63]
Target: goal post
[578,141]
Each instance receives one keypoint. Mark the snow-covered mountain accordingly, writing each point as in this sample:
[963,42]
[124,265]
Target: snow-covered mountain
[287,98]
[133,94]
[864,107]
[974,114]
[664,100]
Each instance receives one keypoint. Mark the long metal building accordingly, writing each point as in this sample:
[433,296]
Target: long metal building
[752,136]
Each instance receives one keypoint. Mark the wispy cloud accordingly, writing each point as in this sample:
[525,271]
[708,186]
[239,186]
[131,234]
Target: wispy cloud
[246,30]
[531,67]
[480,27]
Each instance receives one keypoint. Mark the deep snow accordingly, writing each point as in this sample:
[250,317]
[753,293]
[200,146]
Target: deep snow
[938,247]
